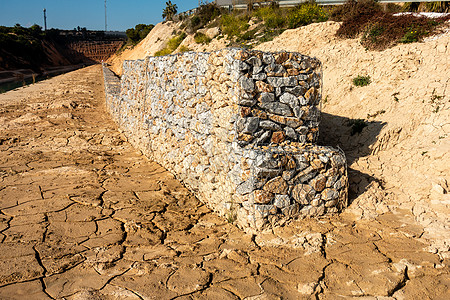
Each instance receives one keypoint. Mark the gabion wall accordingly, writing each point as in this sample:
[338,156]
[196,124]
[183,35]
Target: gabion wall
[237,127]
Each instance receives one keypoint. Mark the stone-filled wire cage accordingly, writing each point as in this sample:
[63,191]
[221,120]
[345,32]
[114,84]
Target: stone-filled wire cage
[285,175]
[238,127]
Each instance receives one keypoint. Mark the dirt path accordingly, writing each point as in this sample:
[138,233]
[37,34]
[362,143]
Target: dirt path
[85,216]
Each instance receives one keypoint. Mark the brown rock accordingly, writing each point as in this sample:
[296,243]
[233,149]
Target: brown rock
[263,87]
[289,121]
[287,175]
[278,137]
[288,162]
[305,114]
[310,137]
[242,55]
[262,196]
[317,164]
[276,185]
[318,183]
[245,137]
[303,193]
[259,113]
[304,175]
[331,203]
[293,72]
[291,210]
[281,57]
[245,111]
[311,95]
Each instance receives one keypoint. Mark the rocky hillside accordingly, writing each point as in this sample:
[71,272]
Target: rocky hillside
[395,131]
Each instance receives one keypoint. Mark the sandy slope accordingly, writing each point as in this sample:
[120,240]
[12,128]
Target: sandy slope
[155,41]
[401,160]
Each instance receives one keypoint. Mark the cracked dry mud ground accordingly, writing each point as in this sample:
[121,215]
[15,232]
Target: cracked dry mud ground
[83,215]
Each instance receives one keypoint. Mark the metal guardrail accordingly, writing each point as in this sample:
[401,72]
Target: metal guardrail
[242,4]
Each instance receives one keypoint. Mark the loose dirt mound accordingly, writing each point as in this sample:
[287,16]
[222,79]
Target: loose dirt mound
[401,159]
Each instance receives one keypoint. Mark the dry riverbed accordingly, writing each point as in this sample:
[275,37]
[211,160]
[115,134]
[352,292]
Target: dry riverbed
[83,215]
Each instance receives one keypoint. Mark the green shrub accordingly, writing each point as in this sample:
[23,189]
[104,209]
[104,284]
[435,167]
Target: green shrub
[172,45]
[373,33]
[271,16]
[25,44]
[183,48]
[234,25]
[195,22]
[176,41]
[411,36]
[381,29]
[249,35]
[163,52]
[306,14]
[204,14]
[201,38]
[138,33]
[361,80]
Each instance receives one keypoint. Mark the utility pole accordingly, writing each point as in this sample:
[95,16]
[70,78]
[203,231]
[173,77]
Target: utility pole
[106,24]
[45,20]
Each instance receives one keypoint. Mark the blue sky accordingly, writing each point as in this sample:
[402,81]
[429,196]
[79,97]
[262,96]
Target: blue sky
[68,14]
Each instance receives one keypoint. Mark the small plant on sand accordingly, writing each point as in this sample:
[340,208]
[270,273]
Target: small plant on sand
[231,215]
[183,48]
[357,125]
[435,101]
[361,80]
[395,96]
[201,38]
[411,36]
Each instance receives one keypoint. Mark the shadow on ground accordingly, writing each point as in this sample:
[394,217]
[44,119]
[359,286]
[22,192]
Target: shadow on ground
[337,131]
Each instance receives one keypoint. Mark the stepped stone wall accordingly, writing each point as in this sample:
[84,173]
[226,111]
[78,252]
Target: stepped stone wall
[238,127]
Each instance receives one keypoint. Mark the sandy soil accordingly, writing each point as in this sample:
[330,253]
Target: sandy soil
[85,216]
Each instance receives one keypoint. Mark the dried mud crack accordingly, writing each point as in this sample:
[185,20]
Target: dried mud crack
[83,215]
